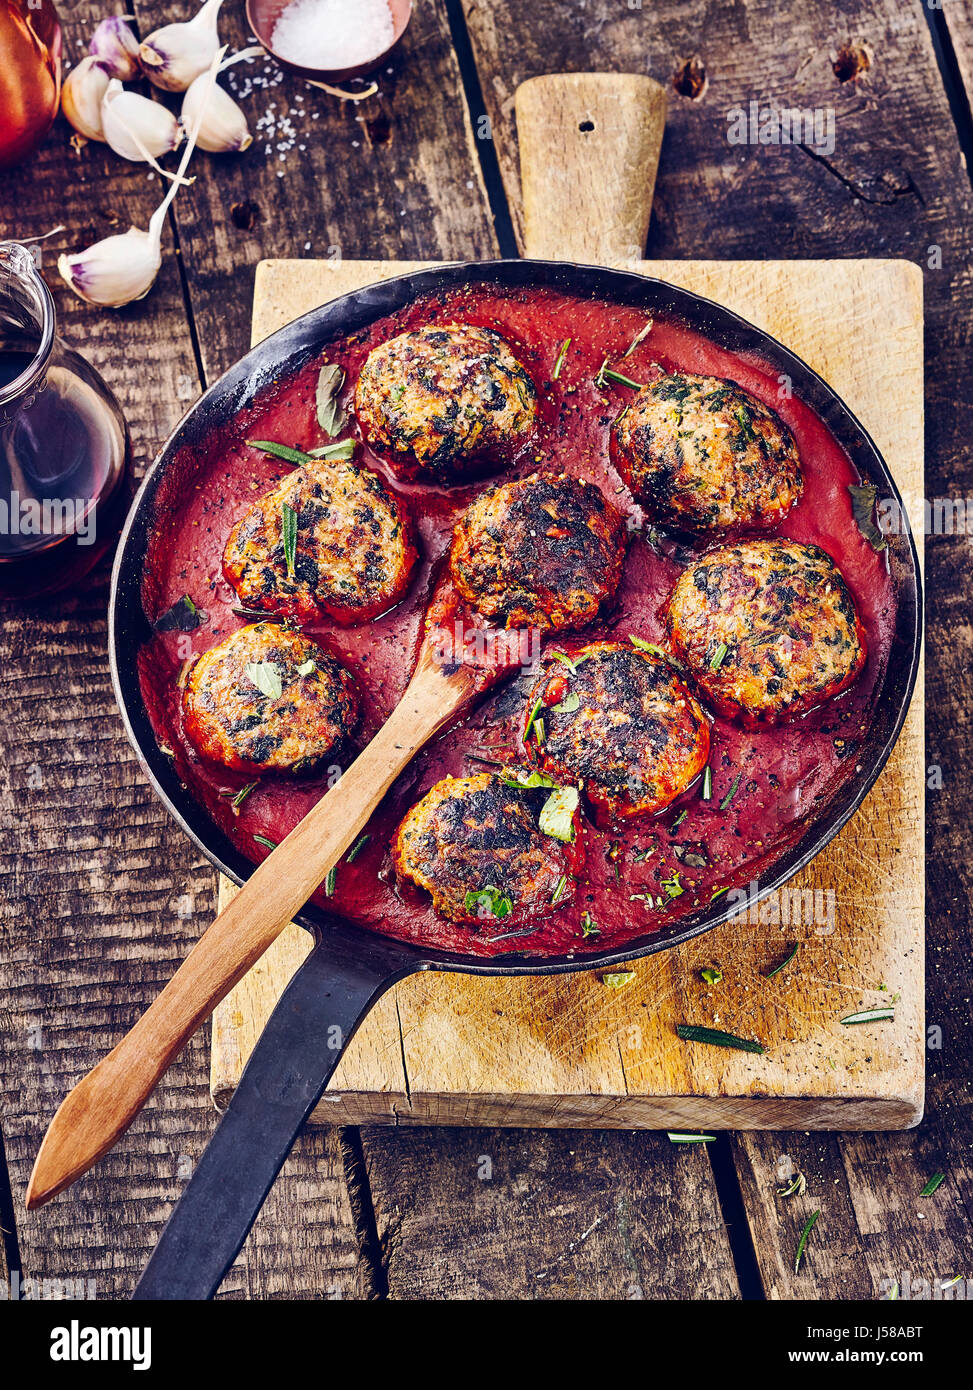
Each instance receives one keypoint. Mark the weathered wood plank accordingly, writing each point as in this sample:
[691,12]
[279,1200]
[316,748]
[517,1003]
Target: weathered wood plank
[509,1214]
[102,896]
[895,184]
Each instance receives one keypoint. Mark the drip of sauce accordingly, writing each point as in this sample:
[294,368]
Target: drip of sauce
[635,880]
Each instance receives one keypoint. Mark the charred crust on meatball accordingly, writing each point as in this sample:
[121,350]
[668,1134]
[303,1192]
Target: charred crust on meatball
[474,845]
[354,546]
[768,629]
[545,551]
[267,699]
[445,401]
[702,454]
[618,720]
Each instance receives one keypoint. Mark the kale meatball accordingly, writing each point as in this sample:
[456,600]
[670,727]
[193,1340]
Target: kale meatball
[542,552]
[617,720]
[767,628]
[703,455]
[473,844]
[443,402]
[330,539]
[267,699]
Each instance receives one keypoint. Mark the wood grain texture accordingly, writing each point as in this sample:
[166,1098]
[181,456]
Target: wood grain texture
[565,1051]
[546,1216]
[589,151]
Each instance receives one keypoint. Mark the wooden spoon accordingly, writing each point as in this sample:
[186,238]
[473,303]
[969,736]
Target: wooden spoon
[101,1107]
[589,149]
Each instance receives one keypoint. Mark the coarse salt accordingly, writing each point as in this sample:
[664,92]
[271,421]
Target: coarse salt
[333,34]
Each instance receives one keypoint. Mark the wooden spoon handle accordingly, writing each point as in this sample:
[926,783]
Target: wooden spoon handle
[103,1105]
[589,152]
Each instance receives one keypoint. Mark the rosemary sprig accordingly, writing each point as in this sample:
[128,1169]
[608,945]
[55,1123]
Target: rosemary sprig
[935,1181]
[731,793]
[357,848]
[786,961]
[690,1138]
[288,534]
[331,878]
[262,840]
[707,783]
[868,1016]
[803,1240]
[280,451]
[693,1032]
[560,358]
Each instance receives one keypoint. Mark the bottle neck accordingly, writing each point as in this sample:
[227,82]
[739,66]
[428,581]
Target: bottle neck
[27,327]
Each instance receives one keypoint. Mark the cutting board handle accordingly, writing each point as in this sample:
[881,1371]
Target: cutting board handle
[589,152]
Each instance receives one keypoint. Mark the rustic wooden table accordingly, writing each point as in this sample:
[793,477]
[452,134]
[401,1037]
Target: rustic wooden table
[102,895]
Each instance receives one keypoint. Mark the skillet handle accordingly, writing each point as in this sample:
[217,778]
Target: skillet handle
[589,151]
[288,1069]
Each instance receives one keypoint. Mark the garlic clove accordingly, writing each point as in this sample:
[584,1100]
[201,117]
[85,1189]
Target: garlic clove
[81,98]
[123,268]
[175,55]
[136,127]
[116,48]
[114,271]
[223,126]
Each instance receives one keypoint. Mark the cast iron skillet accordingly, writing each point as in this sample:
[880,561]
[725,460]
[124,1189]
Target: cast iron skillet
[351,967]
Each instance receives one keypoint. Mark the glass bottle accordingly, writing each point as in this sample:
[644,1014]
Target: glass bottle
[30,76]
[63,444]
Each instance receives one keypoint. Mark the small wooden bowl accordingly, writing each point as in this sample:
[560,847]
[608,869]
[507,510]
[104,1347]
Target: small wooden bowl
[263,15]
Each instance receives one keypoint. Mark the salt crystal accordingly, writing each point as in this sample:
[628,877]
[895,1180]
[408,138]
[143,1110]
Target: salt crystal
[333,34]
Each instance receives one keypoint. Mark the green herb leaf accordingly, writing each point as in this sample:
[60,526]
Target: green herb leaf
[644,646]
[266,677]
[868,1016]
[344,449]
[262,840]
[707,783]
[781,964]
[863,510]
[690,1138]
[492,902]
[331,417]
[557,814]
[731,793]
[803,1240]
[935,1181]
[331,878]
[520,777]
[712,975]
[559,888]
[606,373]
[718,657]
[357,848]
[718,892]
[569,662]
[619,979]
[672,886]
[569,704]
[679,820]
[692,1032]
[589,926]
[280,451]
[560,358]
[183,616]
[532,716]
[237,799]
[540,732]
[288,534]
[306,667]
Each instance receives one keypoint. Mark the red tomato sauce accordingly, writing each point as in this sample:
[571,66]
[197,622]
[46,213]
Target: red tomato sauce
[786,772]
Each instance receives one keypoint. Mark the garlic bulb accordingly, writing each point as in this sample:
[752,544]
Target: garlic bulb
[123,268]
[224,126]
[81,98]
[177,54]
[136,127]
[116,48]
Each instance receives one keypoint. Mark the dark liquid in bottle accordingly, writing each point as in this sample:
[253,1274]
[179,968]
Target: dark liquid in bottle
[63,455]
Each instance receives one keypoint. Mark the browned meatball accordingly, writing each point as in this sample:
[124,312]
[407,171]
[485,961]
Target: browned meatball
[353,549]
[443,401]
[616,719]
[267,699]
[767,628]
[702,454]
[543,552]
[474,845]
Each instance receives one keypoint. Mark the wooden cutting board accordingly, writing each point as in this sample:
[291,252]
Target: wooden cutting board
[568,1051]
